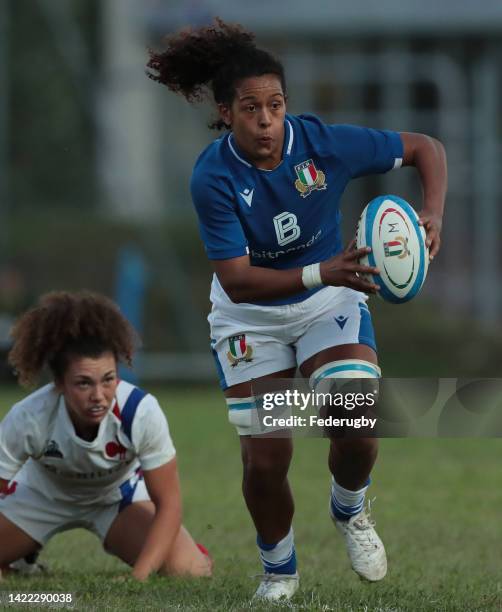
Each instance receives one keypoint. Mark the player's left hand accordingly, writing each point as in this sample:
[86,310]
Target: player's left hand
[432,224]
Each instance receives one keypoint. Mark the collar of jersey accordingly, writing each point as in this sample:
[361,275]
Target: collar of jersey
[287,147]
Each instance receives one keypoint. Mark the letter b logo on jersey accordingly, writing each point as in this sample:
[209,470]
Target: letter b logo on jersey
[286,228]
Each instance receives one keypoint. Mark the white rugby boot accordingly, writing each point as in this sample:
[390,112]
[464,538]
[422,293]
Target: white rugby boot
[365,549]
[276,587]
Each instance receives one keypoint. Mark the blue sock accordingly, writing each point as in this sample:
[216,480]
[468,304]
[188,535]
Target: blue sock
[279,558]
[345,503]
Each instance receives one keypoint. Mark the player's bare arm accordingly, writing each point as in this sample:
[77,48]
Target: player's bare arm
[428,156]
[163,487]
[243,282]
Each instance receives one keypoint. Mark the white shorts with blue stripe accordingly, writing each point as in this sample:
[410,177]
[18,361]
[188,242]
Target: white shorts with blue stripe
[250,341]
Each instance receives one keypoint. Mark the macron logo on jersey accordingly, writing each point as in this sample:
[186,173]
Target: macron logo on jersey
[247,196]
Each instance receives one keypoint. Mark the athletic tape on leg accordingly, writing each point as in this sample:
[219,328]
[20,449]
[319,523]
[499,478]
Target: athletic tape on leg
[344,368]
[240,412]
[246,414]
[350,377]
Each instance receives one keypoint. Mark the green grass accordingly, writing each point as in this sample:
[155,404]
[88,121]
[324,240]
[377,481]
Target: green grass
[438,509]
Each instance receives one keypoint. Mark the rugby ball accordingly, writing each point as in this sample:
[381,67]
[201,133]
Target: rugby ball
[389,225]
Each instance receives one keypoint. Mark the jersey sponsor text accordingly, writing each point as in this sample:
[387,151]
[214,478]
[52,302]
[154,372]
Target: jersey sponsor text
[275,254]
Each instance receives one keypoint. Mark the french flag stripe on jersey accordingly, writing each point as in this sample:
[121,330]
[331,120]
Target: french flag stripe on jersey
[129,410]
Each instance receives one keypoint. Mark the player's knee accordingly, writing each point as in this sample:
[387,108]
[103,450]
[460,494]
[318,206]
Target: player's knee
[266,461]
[273,465]
[356,449]
[265,472]
[193,568]
[197,565]
[186,558]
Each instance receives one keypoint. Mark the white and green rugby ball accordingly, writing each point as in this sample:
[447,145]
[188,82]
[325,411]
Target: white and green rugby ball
[389,225]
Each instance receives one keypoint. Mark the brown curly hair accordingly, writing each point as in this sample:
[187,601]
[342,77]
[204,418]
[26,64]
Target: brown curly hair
[214,57]
[64,325]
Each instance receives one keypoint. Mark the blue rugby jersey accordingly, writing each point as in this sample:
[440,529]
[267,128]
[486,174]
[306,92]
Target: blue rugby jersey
[287,217]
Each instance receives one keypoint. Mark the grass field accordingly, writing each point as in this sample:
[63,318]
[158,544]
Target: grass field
[438,508]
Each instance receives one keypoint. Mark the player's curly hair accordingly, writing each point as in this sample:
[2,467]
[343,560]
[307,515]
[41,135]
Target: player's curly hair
[64,325]
[211,58]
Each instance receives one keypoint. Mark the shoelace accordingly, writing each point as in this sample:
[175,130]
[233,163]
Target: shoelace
[362,524]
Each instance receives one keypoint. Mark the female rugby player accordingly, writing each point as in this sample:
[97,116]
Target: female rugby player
[285,293]
[89,450]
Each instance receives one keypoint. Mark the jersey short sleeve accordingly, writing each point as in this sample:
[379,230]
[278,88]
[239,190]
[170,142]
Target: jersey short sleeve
[18,441]
[220,228]
[151,436]
[365,150]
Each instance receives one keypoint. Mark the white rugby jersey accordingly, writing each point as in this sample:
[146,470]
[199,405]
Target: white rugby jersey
[39,446]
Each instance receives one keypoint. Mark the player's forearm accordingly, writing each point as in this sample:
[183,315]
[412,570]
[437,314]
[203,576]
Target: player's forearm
[158,543]
[429,158]
[431,165]
[259,284]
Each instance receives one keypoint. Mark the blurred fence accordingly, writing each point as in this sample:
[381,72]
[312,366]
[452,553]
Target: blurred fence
[95,158]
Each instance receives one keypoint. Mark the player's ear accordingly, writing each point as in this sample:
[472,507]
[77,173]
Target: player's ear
[225,114]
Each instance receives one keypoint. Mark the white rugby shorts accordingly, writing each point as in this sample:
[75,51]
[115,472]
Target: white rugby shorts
[250,341]
[41,517]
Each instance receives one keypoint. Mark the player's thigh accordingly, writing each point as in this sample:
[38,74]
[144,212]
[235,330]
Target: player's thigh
[251,355]
[135,520]
[14,542]
[341,331]
[341,344]
[344,352]
[249,342]
[245,388]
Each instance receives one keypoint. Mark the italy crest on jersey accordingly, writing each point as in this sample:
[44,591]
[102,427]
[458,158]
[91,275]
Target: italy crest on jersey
[239,350]
[309,178]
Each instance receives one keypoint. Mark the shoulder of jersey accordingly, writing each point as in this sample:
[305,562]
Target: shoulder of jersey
[310,131]
[307,119]
[212,155]
[124,390]
[314,124]
[307,122]
[40,402]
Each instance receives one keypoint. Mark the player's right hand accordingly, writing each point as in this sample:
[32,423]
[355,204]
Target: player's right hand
[342,270]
